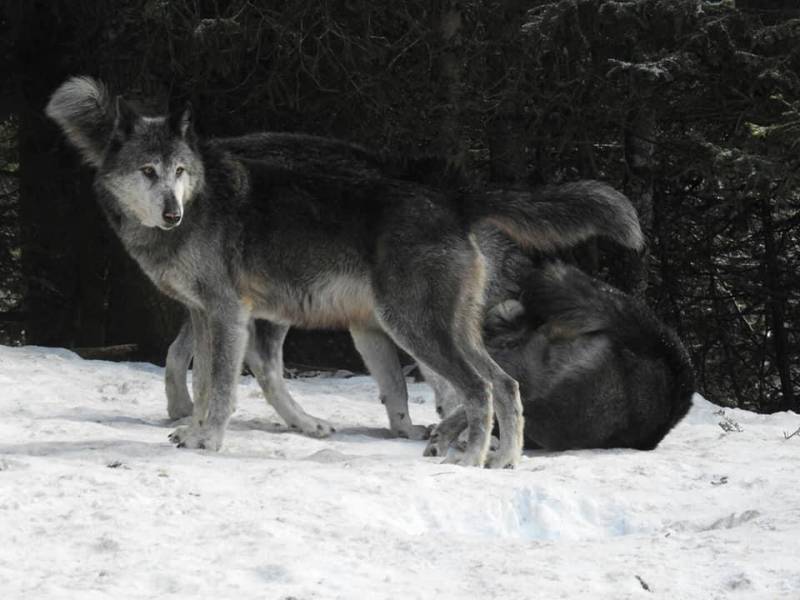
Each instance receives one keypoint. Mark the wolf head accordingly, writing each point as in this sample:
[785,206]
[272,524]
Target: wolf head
[148,165]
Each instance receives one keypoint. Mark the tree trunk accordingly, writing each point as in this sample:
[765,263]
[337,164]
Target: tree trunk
[777,309]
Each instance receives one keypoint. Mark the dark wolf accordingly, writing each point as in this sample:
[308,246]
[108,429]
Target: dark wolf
[235,239]
[596,368]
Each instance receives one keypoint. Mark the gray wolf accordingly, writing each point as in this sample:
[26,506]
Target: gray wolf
[507,265]
[235,239]
[596,368]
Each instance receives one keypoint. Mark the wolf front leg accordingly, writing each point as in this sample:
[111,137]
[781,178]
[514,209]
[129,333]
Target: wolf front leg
[220,339]
[201,369]
[179,355]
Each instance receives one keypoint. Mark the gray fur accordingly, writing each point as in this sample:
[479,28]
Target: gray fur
[264,358]
[179,357]
[256,241]
[558,216]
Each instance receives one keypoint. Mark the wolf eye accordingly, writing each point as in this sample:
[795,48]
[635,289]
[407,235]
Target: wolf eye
[148,171]
[178,171]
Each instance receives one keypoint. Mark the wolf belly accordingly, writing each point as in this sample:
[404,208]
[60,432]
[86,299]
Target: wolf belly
[334,301]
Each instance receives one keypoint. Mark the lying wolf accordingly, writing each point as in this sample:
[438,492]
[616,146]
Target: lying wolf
[235,239]
[596,368]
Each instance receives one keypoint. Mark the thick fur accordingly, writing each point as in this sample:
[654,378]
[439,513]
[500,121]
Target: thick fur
[596,368]
[559,216]
[83,109]
[386,257]
[614,375]
[334,159]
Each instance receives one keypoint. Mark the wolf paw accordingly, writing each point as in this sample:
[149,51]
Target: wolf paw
[313,427]
[437,445]
[502,460]
[201,438]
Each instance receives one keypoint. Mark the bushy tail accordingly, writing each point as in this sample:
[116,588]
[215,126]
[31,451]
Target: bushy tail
[577,304]
[560,216]
[83,109]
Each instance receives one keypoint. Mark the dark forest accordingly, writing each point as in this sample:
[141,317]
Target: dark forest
[691,107]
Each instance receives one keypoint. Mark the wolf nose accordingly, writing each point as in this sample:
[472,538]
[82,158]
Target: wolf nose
[171,217]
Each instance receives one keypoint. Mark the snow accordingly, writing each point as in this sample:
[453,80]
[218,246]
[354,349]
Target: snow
[95,503]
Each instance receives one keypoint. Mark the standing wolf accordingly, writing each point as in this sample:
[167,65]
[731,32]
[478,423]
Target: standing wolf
[335,161]
[233,239]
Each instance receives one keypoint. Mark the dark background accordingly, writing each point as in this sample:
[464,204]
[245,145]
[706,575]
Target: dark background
[691,107]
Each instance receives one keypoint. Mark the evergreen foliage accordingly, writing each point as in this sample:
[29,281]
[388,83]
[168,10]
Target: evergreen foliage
[691,106]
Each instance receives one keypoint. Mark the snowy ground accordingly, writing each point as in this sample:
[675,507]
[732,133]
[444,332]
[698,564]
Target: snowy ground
[95,503]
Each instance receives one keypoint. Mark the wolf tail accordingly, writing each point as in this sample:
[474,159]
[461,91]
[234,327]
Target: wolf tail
[578,304]
[83,109]
[559,216]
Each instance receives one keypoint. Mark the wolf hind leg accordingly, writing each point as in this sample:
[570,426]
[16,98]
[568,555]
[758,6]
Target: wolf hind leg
[450,410]
[264,357]
[179,356]
[430,300]
[445,396]
[445,358]
[506,400]
[477,401]
[380,355]
[508,410]
[507,407]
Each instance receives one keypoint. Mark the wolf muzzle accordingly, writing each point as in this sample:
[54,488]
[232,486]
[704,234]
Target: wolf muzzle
[172,212]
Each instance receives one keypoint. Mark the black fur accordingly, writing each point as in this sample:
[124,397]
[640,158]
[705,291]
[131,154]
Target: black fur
[596,368]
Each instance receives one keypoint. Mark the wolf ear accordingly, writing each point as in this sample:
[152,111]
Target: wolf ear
[84,111]
[126,119]
[182,122]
